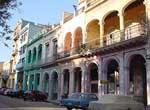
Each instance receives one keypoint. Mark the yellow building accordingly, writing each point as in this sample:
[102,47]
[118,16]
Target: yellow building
[7,67]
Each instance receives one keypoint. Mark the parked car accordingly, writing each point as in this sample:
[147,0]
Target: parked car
[6,92]
[2,90]
[78,100]
[16,93]
[35,95]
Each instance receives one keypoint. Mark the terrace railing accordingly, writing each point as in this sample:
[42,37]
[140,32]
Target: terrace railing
[119,36]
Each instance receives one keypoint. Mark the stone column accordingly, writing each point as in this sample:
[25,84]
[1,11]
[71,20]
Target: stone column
[101,23]
[34,86]
[83,80]
[71,82]
[62,84]
[30,82]
[148,78]
[24,81]
[100,77]
[148,13]
[147,5]
[41,82]
[60,81]
[126,79]
[121,17]
[121,75]
[50,87]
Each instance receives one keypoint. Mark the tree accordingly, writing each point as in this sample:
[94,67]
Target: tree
[5,7]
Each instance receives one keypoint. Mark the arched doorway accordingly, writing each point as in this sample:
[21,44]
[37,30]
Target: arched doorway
[31,82]
[67,44]
[93,78]
[77,79]
[34,54]
[54,87]
[37,82]
[113,77]
[77,37]
[40,52]
[137,78]
[46,83]
[93,34]
[111,28]
[66,83]
[134,22]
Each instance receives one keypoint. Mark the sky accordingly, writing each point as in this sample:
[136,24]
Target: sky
[38,11]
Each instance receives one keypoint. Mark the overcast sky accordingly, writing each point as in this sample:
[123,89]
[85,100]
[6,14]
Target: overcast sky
[38,11]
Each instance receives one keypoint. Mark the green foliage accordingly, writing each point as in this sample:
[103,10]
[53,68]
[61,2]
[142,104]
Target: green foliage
[5,7]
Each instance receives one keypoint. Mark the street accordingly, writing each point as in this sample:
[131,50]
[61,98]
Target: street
[7,103]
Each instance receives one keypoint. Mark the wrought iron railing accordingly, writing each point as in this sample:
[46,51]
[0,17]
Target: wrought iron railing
[128,34]
[40,63]
[112,38]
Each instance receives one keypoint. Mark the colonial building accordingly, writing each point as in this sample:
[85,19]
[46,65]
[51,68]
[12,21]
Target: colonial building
[103,48]
[30,29]
[7,67]
[41,57]
[15,52]
[23,30]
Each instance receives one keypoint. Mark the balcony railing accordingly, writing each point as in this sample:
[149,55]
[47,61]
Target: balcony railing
[135,34]
[120,39]
[40,63]
[19,66]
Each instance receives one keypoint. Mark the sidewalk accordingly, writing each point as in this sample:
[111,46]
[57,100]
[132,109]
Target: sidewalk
[56,102]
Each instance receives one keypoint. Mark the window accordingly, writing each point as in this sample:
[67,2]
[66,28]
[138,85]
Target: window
[23,49]
[46,49]
[92,96]
[23,60]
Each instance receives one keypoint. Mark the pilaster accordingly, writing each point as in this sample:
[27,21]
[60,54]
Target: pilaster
[50,87]
[30,82]
[148,75]
[34,80]
[41,82]
[84,79]
[62,84]
[100,78]
[71,82]
[121,75]
[147,4]
[121,18]
[59,86]
[101,23]
[24,81]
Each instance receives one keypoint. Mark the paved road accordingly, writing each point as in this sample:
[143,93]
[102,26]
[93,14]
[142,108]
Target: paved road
[7,103]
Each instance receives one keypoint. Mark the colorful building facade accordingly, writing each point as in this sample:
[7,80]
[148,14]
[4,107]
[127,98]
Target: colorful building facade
[103,48]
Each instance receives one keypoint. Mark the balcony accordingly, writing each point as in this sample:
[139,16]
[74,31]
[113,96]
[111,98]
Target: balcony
[116,41]
[41,63]
[119,40]
[19,66]
[49,61]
